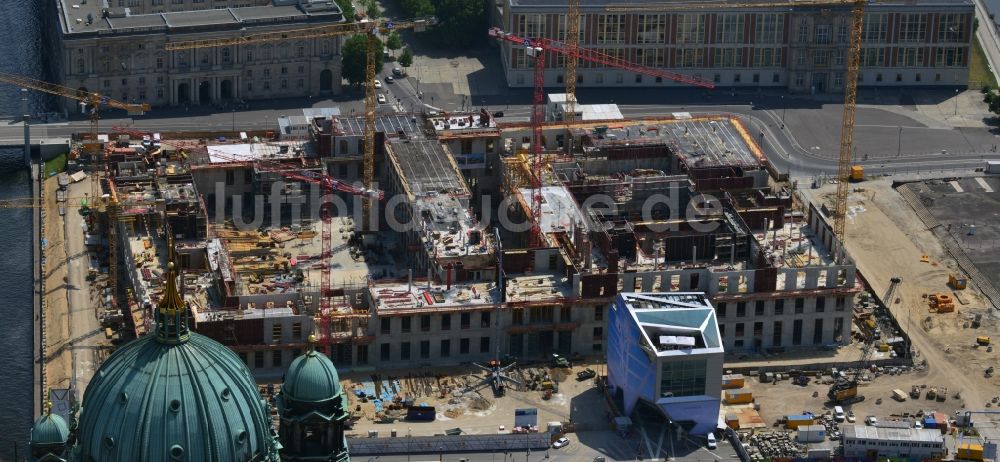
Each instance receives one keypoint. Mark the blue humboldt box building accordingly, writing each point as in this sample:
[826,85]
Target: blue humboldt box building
[664,351]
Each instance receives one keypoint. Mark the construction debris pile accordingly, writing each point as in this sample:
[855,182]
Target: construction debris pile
[771,445]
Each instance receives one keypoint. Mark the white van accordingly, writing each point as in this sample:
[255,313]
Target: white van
[838,413]
[711,441]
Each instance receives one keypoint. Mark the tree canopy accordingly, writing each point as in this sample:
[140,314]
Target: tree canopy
[460,22]
[354,57]
[406,59]
[348,8]
[394,42]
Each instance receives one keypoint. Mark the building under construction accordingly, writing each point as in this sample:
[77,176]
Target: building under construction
[676,204]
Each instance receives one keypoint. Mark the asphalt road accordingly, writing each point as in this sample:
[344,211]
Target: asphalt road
[800,134]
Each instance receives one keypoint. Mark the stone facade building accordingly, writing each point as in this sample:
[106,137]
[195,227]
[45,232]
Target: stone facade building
[116,48]
[800,48]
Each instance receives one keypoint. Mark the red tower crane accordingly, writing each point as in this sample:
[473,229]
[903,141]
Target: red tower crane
[536,48]
[328,185]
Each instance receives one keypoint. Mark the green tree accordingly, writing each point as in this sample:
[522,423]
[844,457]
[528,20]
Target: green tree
[460,18]
[371,8]
[394,42]
[354,55]
[406,59]
[417,8]
[348,8]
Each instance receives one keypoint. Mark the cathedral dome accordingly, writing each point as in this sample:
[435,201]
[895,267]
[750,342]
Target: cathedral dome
[311,378]
[174,396]
[49,429]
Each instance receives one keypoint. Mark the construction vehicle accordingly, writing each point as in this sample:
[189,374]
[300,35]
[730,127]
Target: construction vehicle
[915,392]
[957,282]
[857,173]
[559,361]
[983,340]
[370,29]
[537,48]
[585,374]
[941,303]
[845,390]
[89,101]
[853,61]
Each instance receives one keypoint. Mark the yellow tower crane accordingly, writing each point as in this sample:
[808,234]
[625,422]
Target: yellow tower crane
[850,78]
[573,40]
[371,29]
[94,101]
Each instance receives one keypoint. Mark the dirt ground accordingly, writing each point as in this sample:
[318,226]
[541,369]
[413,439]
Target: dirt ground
[886,239]
[59,361]
[482,412]
[778,399]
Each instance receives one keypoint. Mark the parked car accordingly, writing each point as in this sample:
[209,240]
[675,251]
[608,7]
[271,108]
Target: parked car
[389,79]
[918,424]
[398,72]
[381,98]
[378,84]
[561,443]
[871,420]
[850,417]
[711,444]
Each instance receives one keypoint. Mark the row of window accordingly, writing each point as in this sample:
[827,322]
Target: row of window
[893,444]
[734,57]
[259,358]
[777,332]
[759,307]
[533,315]
[424,346]
[731,28]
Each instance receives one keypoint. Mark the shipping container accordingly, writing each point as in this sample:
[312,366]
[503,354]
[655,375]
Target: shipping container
[421,413]
[819,454]
[739,396]
[899,395]
[733,421]
[733,381]
[811,434]
[795,421]
[969,451]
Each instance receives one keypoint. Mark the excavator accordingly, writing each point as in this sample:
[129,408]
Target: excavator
[845,390]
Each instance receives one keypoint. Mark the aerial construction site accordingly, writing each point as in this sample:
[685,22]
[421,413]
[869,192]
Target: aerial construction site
[462,270]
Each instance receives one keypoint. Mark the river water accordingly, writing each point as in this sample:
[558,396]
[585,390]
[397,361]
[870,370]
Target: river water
[22,52]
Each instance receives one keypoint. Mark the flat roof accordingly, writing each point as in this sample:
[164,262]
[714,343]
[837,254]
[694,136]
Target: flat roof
[675,323]
[602,4]
[426,166]
[390,124]
[697,142]
[893,434]
[560,211]
[80,17]
[405,297]
[248,152]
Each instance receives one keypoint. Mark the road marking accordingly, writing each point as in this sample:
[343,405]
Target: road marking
[958,187]
[984,184]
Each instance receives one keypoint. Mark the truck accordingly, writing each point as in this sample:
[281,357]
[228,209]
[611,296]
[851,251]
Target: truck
[585,374]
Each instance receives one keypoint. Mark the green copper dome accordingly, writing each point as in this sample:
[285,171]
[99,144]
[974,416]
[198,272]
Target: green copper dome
[311,378]
[174,396]
[49,429]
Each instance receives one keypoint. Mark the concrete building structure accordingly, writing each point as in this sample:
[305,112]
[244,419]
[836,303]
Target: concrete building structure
[443,281]
[664,350]
[116,48]
[799,48]
[867,442]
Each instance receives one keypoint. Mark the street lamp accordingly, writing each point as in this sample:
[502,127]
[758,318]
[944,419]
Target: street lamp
[899,141]
[783,109]
[956,101]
